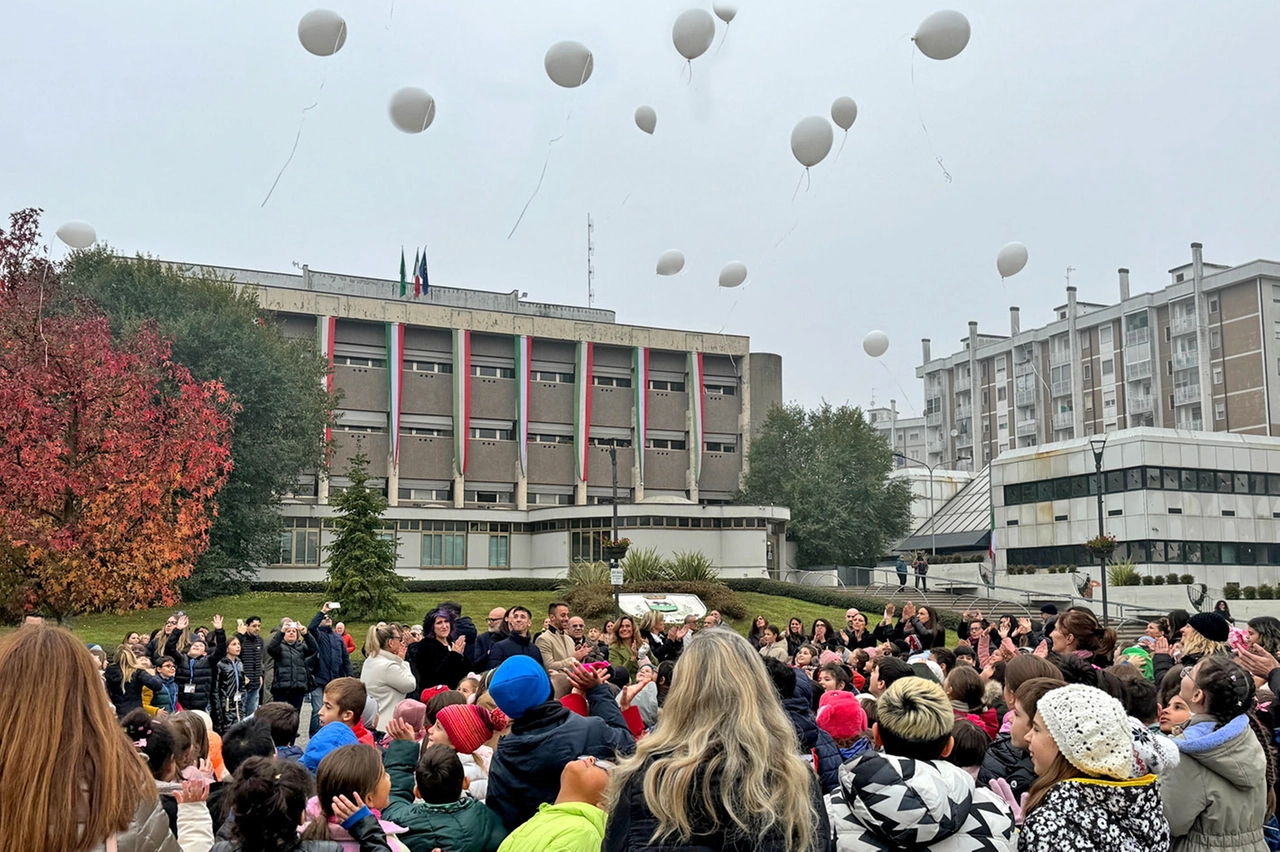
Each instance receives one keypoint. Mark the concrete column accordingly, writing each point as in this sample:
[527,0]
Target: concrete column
[1015,323]
[1202,337]
[1124,284]
[1077,368]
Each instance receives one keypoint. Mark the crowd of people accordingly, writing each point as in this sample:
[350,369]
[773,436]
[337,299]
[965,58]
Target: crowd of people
[639,734]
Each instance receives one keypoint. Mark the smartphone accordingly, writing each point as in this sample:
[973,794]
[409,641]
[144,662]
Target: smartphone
[334,605]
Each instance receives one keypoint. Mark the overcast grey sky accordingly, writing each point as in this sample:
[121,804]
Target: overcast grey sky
[1100,134]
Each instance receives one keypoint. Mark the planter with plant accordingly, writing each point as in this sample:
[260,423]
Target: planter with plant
[1250,593]
[614,549]
[1186,579]
[1101,545]
[1231,591]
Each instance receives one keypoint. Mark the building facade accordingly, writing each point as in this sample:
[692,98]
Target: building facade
[906,435]
[1200,355]
[492,425]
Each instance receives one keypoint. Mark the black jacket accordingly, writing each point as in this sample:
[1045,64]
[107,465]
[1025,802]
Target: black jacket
[1007,761]
[438,664]
[127,697]
[662,649]
[466,628]
[631,825]
[527,763]
[228,695]
[195,674]
[480,650]
[331,660]
[816,745]
[251,657]
[512,646]
[292,668]
[851,641]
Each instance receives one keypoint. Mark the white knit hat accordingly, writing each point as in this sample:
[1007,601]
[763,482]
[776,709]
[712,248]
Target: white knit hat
[1091,730]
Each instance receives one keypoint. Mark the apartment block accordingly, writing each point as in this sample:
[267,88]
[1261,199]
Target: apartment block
[1200,355]
[906,435]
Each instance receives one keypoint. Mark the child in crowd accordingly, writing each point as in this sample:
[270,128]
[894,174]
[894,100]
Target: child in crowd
[193,747]
[969,748]
[344,701]
[575,823]
[841,715]
[470,687]
[283,719]
[184,802]
[966,692]
[1173,709]
[445,818]
[415,714]
[356,772]
[466,729]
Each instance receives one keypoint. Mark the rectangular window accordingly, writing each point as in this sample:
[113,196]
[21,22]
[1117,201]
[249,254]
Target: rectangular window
[358,361]
[499,550]
[483,371]
[722,390]
[1088,371]
[428,432]
[620,443]
[1213,304]
[721,447]
[1104,335]
[551,376]
[444,550]
[666,444]
[611,382]
[544,438]
[1217,374]
[1001,393]
[1215,339]
[1219,411]
[492,434]
[428,366]
[1108,367]
[488,497]
[542,498]
[299,546]
[586,546]
[661,385]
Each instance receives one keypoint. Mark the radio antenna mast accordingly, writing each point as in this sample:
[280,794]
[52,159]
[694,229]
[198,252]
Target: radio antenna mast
[591,269]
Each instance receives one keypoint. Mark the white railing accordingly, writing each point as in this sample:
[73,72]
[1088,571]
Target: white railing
[1193,424]
[1024,397]
[1185,324]
[963,412]
[1059,356]
[1027,427]
[1137,337]
[1062,388]
[1140,404]
[1184,359]
[1064,420]
[1139,370]
[1186,395]
[933,418]
[1024,368]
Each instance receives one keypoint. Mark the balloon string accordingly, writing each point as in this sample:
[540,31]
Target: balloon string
[906,396]
[946,175]
[804,178]
[296,139]
[844,139]
[546,161]
[722,41]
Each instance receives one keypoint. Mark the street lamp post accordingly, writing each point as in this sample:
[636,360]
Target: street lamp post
[613,562]
[1097,444]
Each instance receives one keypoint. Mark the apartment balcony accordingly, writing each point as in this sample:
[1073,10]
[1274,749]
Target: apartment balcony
[1026,427]
[1024,397]
[1062,388]
[1193,424]
[1185,359]
[1140,404]
[933,418]
[1186,395]
[933,442]
[964,439]
[1182,325]
[964,412]
[1024,368]
[1137,337]
[1064,420]
[1139,370]
[1059,356]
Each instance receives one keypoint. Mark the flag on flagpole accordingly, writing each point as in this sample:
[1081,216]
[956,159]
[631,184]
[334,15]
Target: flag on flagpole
[426,284]
[402,272]
[992,549]
[417,279]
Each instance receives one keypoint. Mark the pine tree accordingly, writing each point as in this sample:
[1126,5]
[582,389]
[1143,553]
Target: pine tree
[362,563]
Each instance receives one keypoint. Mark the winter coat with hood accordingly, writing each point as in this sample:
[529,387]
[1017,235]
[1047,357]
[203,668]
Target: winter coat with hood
[527,763]
[630,825]
[228,694]
[816,745]
[292,660]
[886,803]
[387,679]
[148,832]
[566,827]
[251,655]
[464,825]
[331,660]
[195,674]
[1005,760]
[1087,814]
[341,836]
[1216,797]
[438,664]
[127,697]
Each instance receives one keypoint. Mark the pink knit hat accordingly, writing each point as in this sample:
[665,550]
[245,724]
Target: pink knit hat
[829,657]
[415,713]
[840,714]
[470,726]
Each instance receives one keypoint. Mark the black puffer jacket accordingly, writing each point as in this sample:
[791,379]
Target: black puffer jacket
[1007,761]
[816,745]
[127,697]
[292,669]
[631,825]
[195,674]
[228,694]
[251,656]
[331,660]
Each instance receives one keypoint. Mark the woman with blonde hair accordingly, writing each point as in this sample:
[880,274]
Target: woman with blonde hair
[653,631]
[72,781]
[721,769]
[125,680]
[386,675]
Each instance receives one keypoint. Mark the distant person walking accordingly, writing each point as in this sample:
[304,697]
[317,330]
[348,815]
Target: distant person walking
[922,572]
[901,568]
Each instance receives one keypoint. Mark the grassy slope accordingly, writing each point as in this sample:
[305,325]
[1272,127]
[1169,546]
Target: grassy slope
[271,607]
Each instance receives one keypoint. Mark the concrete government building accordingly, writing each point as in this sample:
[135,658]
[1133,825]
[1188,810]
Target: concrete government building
[489,422]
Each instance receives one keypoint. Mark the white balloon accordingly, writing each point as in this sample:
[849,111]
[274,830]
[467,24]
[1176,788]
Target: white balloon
[844,112]
[811,140]
[646,119]
[942,35]
[875,344]
[1011,259]
[322,32]
[725,11]
[733,274]
[77,234]
[670,262]
[412,109]
[693,32]
[569,64]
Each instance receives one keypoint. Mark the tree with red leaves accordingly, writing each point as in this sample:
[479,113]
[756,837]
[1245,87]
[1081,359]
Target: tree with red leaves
[111,455]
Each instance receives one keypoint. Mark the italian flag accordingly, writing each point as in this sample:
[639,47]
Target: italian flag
[461,398]
[696,409]
[326,328]
[395,383]
[641,381]
[524,357]
[582,405]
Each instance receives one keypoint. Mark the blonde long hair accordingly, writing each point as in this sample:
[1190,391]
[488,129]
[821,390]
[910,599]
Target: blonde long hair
[377,638]
[722,720]
[128,664]
[1195,642]
[71,780]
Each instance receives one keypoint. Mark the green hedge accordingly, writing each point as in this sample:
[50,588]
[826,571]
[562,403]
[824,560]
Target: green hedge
[498,584]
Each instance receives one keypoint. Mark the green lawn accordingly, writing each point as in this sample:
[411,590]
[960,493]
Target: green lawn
[109,630]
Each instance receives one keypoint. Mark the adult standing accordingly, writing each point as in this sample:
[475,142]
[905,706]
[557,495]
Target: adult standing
[291,649]
[922,572]
[663,644]
[597,651]
[386,674]
[719,770]
[559,651]
[125,680]
[459,625]
[901,567]
[340,630]
[517,643]
[250,636]
[330,662]
[439,662]
[497,624]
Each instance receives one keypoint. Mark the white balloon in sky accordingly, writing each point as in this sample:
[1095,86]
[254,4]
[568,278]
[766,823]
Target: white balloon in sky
[844,112]
[1011,259]
[693,32]
[77,234]
[569,64]
[412,109]
[725,11]
[811,140]
[875,344]
[943,34]
[322,32]
[670,262]
[646,119]
[733,274]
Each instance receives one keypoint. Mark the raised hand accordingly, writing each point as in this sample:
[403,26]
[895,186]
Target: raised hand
[193,791]
[217,622]
[459,645]
[344,809]
[183,622]
[583,678]
[1042,650]
[1161,646]
[1257,660]
[582,653]
[400,730]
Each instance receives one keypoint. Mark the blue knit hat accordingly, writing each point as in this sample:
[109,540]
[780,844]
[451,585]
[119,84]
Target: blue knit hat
[519,685]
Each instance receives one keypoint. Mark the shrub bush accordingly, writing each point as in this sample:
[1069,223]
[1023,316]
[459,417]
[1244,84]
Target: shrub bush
[1187,579]
[1266,592]
[1171,578]
[643,564]
[693,567]
[1231,591]
[583,574]
[1250,593]
[1123,574]
[502,584]
[1158,579]
[1148,581]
